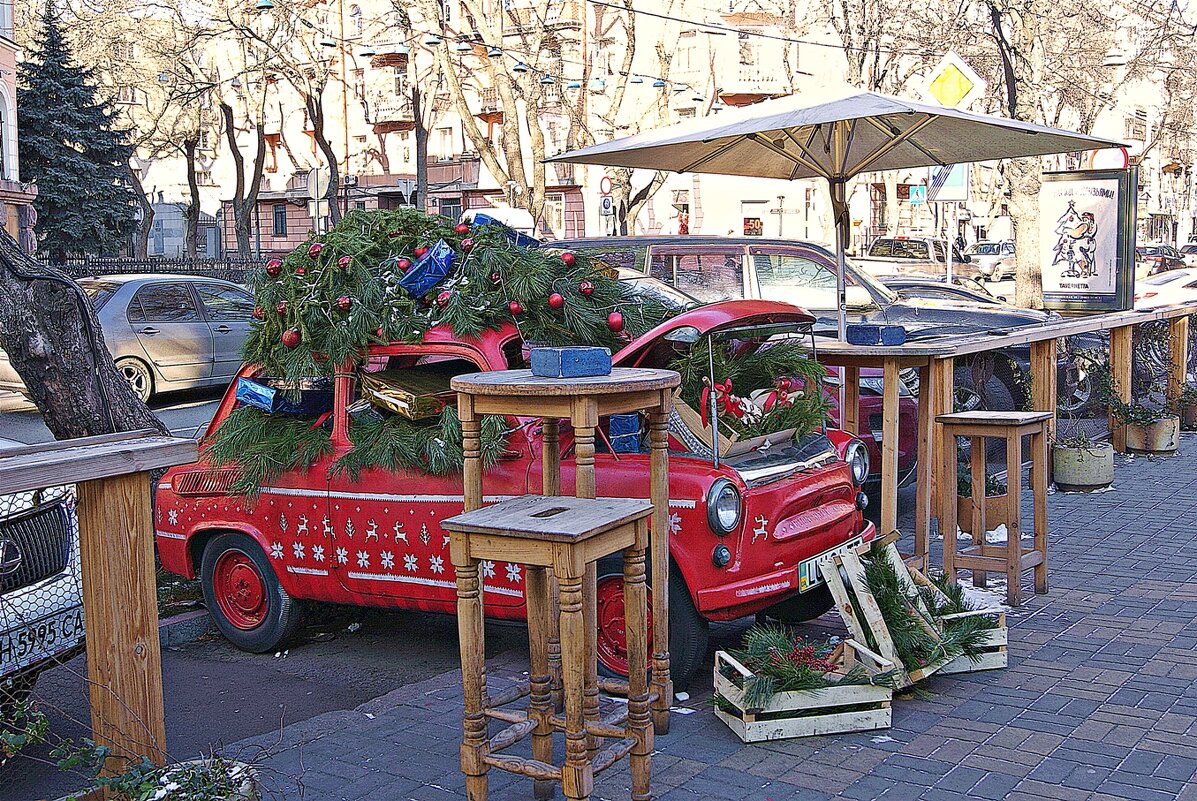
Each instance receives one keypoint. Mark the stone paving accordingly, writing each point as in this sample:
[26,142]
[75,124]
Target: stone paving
[1099,702]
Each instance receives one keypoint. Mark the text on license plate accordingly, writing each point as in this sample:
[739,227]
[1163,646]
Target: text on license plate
[28,643]
[808,570]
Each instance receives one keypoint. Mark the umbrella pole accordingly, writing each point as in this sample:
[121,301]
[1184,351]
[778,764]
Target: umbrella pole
[839,209]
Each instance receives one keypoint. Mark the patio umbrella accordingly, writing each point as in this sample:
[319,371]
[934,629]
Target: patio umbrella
[835,140]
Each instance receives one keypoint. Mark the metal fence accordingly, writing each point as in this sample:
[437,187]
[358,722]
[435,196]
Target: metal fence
[235,269]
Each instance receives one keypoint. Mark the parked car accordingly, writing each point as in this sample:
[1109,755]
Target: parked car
[41,595]
[1154,258]
[1164,289]
[896,255]
[776,511]
[1189,254]
[993,260]
[166,332]
[936,287]
[717,268]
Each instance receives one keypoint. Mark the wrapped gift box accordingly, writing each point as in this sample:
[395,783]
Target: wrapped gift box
[415,393]
[308,397]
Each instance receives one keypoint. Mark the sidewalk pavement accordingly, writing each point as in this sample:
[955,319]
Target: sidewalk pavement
[1099,702]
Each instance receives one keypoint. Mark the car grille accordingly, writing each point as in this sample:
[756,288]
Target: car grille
[205,482]
[43,537]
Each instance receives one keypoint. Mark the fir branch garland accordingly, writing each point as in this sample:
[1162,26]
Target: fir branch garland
[396,444]
[264,447]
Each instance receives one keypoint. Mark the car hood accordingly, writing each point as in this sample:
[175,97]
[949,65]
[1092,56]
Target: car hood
[714,317]
[924,318]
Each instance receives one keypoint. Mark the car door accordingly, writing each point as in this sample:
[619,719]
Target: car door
[229,310]
[172,332]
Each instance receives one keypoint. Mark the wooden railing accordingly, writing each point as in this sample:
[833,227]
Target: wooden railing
[112,474]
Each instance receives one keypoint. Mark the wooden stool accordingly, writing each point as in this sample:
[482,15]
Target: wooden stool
[1011,558]
[567,536]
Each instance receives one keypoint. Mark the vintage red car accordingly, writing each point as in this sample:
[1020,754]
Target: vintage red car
[743,535]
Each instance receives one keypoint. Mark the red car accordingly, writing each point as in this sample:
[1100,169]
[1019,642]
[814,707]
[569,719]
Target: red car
[744,534]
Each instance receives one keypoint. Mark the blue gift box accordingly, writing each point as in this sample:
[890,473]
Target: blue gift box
[430,270]
[306,401]
[514,236]
[863,334]
[625,433]
[570,362]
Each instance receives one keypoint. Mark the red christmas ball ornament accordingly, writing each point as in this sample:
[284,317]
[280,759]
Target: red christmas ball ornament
[467,245]
[274,267]
[586,287]
[344,262]
[281,308]
[568,258]
[443,298]
[515,307]
[344,303]
[259,312]
[556,301]
[315,248]
[403,265]
[299,271]
[420,251]
[292,338]
[496,278]
[461,229]
[615,321]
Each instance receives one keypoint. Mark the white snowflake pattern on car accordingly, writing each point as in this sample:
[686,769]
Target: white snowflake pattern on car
[318,553]
[488,568]
[342,555]
[388,560]
[436,564]
[276,550]
[297,549]
[513,573]
[410,562]
[363,559]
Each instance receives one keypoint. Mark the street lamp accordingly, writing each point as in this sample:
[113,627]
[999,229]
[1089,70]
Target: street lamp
[264,5]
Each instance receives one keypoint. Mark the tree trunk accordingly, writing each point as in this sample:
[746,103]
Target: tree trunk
[315,105]
[192,214]
[141,237]
[1023,175]
[421,134]
[45,320]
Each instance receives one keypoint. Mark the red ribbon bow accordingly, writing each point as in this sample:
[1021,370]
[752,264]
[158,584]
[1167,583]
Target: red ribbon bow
[723,398]
[780,396]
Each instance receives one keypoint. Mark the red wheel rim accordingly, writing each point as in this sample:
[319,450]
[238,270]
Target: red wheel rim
[612,639]
[240,590]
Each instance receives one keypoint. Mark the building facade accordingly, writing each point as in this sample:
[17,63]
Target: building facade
[16,197]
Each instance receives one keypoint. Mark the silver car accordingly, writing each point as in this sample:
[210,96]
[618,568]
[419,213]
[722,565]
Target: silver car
[166,332]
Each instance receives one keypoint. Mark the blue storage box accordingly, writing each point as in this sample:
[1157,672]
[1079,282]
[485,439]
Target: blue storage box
[311,397]
[625,433]
[863,334]
[893,335]
[570,362]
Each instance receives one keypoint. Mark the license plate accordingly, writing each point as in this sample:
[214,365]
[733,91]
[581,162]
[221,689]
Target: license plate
[808,570]
[32,642]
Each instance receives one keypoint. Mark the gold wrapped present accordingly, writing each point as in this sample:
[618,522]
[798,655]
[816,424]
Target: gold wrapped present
[415,393]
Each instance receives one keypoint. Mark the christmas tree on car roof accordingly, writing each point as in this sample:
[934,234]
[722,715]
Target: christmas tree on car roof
[390,276]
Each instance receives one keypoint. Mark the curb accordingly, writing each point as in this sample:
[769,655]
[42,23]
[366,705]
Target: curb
[181,629]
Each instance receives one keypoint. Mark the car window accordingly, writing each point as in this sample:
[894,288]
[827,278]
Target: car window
[796,279]
[226,302]
[627,258]
[910,249]
[882,247]
[99,292]
[941,253]
[707,277]
[164,303]
[1008,248]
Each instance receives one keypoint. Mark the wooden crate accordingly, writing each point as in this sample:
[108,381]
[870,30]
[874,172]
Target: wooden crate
[992,658]
[833,710]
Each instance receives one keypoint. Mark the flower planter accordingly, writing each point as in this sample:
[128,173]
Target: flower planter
[828,710]
[1161,437]
[997,512]
[1188,417]
[1083,469]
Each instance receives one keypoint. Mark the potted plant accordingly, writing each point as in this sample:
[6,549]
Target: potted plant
[1149,429]
[1186,407]
[997,506]
[1080,463]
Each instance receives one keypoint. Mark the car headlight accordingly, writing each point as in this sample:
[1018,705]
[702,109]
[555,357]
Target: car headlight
[858,459]
[723,507]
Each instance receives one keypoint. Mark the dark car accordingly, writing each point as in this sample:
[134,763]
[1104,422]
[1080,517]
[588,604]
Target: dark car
[722,268]
[1155,258]
[936,287]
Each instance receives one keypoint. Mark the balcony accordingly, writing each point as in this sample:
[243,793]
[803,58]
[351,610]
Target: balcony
[556,15]
[490,111]
[392,114]
[750,84]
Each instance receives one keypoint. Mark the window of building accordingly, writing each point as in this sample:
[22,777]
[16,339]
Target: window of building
[554,213]
[1136,126]
[400,81]
[203,141]
[4,135]
[444,143]
[359,84]
[451,208]
[280,219]
[204,178]
[126,95]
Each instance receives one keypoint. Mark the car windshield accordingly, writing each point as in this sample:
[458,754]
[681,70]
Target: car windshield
[1189,249]
[98,291]
[984,249]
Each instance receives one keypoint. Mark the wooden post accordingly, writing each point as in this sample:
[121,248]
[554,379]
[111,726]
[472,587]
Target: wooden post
[924,477]
[1014,519]
[850,414]
[889,449]
[1120,372]
[658,440]
[585,419]
[120,606]
[943,487]
[124,663]
[1044,391]
[1178,355]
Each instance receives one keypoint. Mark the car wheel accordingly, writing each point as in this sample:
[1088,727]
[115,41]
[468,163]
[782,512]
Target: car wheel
[244,596]
[688,631]
[1075,390]
[801,608]
[979,387]
[138,375]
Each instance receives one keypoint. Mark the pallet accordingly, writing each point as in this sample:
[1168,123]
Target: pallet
[832,710]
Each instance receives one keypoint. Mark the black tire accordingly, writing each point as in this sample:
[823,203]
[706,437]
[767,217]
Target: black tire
[139,376]
[997,391]
[689,632]
[801,608]
[281,613]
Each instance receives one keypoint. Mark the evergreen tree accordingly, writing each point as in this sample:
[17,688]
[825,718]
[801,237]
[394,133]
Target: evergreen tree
[71,145]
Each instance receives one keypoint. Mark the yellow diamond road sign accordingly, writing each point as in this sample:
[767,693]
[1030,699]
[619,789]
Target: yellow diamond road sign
[953,83]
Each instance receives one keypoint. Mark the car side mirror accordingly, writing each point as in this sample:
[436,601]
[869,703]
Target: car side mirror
[966,259]
[857,297]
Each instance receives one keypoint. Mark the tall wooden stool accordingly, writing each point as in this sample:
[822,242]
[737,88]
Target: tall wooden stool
[566,536]
[981,557]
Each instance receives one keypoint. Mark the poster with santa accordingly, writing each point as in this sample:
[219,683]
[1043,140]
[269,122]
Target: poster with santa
[1087,239]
